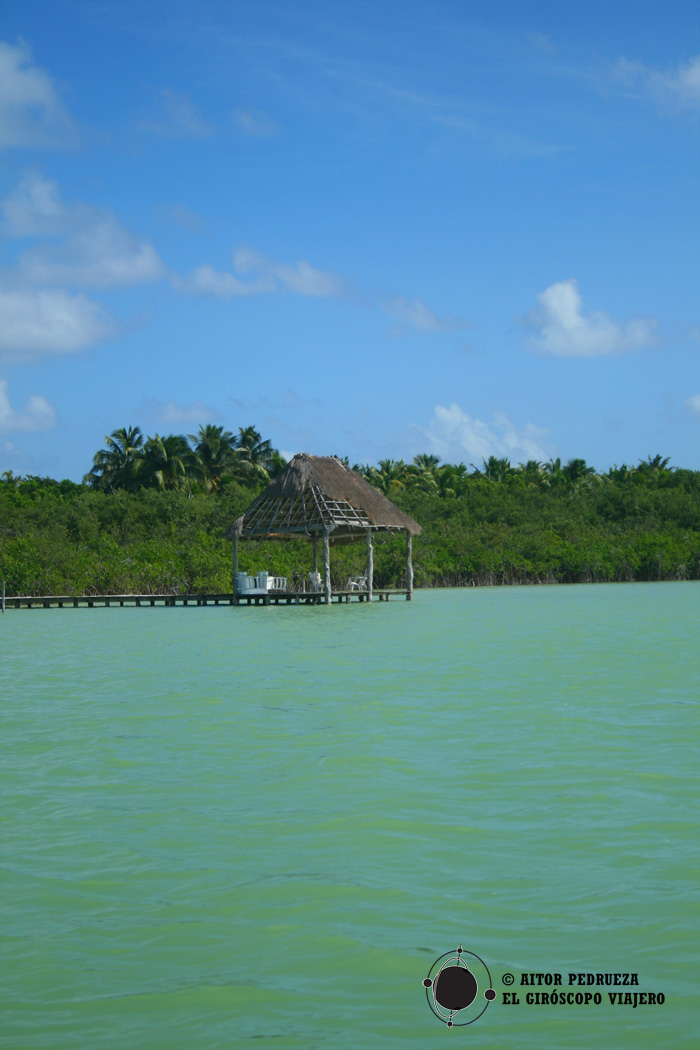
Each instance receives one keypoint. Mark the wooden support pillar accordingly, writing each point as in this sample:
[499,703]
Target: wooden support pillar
[235,570]
[409,566]
[370,564]
[314,543]
[326,568]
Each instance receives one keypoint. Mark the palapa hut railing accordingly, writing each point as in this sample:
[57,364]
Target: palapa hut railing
[320,497]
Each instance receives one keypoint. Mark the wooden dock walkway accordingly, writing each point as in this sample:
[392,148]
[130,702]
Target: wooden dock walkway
[70,601]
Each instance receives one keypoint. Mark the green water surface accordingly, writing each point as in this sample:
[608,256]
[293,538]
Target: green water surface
[260,826]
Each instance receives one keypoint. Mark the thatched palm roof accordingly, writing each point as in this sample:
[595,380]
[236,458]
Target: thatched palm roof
[314,494]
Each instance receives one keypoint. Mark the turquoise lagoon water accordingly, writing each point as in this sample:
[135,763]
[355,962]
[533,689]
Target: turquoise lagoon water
[260,826]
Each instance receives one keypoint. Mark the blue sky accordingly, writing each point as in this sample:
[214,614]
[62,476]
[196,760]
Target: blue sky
[370,229]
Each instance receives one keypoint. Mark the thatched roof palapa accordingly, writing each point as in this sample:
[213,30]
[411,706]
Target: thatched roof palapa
[319,494]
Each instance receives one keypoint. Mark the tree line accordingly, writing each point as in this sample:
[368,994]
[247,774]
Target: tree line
[448,480]
[151,516]
[200,461]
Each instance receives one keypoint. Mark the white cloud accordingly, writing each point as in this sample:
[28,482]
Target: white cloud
[301,277]
[256,123]
[95,250]
[679,86]
[221,285]
[172,414]
[256,274]
[415,313]
[562,330]
[31,110]
[693,404]
[454,435]
[103,255]
[266,275]
[179,118]
[35,208]
[38,414]
[49,322]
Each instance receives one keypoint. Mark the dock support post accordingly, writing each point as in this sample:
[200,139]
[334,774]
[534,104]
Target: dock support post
[314,544]
[3,596]
[409,566]
[235,569]
[326,568]
[370,564]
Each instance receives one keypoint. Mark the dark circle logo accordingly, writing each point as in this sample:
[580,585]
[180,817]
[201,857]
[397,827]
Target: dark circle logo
[455,988]
[452,987]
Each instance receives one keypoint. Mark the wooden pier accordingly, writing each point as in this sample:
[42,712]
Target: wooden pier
[94,601]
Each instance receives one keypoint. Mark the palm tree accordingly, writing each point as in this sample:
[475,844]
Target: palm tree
[250,446]
[655,463]
[419,476]
[115,466]
[277,463]
[254,458]
[577,470]
[496,469]
[214,453]
[427,463]
[451,480]
[531,473]
[552,472]
[654,468]
[391,476]
[166,462]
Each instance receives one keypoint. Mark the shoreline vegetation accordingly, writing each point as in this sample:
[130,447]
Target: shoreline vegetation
[151,514]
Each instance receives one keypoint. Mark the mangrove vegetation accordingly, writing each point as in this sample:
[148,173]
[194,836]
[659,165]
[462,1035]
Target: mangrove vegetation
[151,513]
